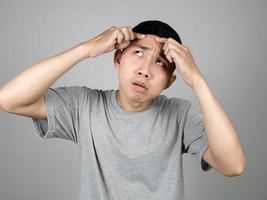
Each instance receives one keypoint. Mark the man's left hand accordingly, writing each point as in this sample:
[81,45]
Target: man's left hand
[184,61]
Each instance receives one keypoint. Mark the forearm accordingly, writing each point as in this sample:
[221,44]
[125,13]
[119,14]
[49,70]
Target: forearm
[28,86]
[222,137]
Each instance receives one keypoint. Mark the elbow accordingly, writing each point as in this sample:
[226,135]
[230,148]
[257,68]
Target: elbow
[236,170]
[3,104]
[1,101]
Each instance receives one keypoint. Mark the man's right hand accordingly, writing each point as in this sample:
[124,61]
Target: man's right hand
[112,38]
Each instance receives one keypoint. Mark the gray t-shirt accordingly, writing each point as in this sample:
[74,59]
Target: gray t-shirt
[125,155]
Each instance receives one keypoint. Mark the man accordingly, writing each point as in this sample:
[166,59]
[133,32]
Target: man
[131,140]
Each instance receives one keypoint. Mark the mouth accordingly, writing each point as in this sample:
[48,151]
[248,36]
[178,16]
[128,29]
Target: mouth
[140,86]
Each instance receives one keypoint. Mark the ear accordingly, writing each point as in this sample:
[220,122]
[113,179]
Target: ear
[171,80]
[117,58]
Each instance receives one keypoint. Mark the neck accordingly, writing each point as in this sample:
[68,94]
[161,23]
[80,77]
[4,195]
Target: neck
[129,105]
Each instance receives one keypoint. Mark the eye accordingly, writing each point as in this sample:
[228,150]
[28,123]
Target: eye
[160,62]
[138,52]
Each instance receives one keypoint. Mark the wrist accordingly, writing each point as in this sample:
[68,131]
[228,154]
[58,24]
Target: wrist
[200,85]
[85,49]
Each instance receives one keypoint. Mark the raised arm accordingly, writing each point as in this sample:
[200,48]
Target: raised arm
[29,86]
[225,152]
[23,94]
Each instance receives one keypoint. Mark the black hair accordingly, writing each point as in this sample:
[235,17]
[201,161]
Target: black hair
[160,29]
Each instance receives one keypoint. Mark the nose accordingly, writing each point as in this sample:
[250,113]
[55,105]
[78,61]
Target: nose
[145,70]
[141,73]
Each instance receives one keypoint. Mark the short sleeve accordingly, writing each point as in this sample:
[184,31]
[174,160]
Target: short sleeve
[63,108]
[195,140]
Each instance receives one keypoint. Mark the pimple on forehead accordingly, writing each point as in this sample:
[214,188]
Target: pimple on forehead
[148,45]
[149,40]
[152,39]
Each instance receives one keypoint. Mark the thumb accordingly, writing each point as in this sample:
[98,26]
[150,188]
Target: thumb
[139,35]
[123,45]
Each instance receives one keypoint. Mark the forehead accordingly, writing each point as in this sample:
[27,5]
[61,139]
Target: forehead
[149,42]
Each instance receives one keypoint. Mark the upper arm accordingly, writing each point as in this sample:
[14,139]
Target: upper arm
[36,110]
[209,158]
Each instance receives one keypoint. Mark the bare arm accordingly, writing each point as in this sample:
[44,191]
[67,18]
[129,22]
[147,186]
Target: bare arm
[29,86]
[23,94]
[225,152]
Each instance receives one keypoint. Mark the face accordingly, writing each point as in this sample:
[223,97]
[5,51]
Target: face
[144,72]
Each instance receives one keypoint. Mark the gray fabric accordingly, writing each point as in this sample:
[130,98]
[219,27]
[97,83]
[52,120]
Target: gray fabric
[125,155]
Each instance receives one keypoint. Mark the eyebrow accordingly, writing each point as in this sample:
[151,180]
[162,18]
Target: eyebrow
[142,47]
[161,55]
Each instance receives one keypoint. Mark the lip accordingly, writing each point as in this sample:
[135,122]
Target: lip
[139,83]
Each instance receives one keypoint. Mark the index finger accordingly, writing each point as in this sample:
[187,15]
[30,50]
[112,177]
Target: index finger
[161,39]
[139,35]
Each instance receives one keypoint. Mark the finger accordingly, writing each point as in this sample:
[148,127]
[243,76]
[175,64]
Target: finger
[169,58]
[167,55]
[173,54]
[120,36]
[131,34]
[124,30]
[170,45]
[161,39]
[169,40]
[139,35]
[179,45]
[123,45]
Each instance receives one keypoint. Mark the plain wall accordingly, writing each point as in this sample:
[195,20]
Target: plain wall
[227,39]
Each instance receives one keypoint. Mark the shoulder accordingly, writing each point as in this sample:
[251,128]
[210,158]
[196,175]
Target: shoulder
[94,94]
[173,102]
[80,89]
[77,92]
[70,89]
